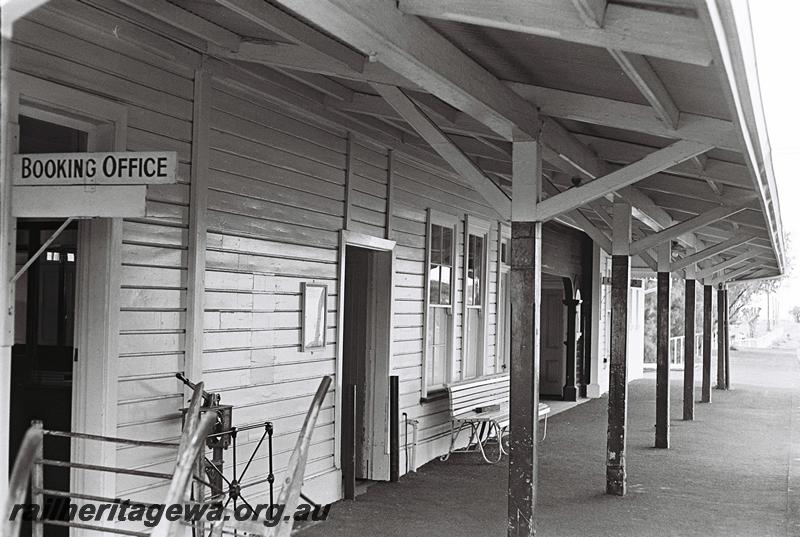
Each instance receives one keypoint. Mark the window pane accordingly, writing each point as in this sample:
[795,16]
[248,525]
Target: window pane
[470,270]
[474,270]
[447,246]
[474,347]
[438,346]
[446,284]
[478,270]
[434,276]
[436,244]
[436,259]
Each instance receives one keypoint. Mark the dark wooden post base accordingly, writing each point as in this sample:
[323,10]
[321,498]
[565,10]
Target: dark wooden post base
[720,339]
[727,340]
[705,396]
[688,351]
[616,482]
[662,360]
[526,282]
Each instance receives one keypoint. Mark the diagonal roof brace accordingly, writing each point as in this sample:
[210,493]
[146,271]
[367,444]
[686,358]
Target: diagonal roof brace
[733,242]
[581,221]
[449,151]
[741,258]
[701,220]
[653,163]
[650,86]
[726,277]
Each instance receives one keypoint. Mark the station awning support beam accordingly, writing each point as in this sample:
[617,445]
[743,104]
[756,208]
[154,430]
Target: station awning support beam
[689,343]
[708,298]
[663,307]
[721,337]
[526,290]
[616,478]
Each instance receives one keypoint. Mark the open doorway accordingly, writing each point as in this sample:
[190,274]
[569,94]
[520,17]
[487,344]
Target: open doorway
[44,319]
[552,368]
[365,367]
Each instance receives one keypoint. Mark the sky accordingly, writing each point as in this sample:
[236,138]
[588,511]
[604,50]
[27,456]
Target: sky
[776,43]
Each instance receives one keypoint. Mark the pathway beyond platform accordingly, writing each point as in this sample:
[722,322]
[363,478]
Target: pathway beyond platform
[728,473]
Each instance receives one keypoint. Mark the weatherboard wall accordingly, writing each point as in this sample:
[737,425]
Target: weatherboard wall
[280,185]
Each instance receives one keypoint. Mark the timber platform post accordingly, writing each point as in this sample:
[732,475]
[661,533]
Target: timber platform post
[727,339]
[720,338]
[662,344]
[526,286]
[616,479]
[689,344]
[708,297]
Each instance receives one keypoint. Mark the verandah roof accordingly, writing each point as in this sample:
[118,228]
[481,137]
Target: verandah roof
[612,83]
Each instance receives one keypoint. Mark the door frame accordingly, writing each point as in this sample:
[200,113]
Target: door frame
[559,289]
[361,240]
[503,298]
[97,299]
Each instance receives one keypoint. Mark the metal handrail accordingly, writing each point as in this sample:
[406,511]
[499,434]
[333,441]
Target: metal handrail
[676,347]
[30,462]
[289,494]
[184,470]
[100,438]
[195,430]
[293,482]
[20,475]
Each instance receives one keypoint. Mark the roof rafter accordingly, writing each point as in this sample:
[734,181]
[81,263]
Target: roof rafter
[187,21]
[272,18]
[561,148]
[591,12]
[663,35]
[635,66]
[628,116]
[414,50]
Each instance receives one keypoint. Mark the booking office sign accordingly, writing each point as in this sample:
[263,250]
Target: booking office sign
[88,184]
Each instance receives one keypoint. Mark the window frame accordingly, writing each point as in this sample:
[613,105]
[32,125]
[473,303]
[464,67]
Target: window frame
[482,228]
[503,267]
[448,221]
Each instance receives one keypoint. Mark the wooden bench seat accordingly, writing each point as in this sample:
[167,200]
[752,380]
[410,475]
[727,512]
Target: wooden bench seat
[482,405]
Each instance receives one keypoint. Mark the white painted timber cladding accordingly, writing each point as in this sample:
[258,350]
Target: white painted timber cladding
[158,96]
[275,208]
